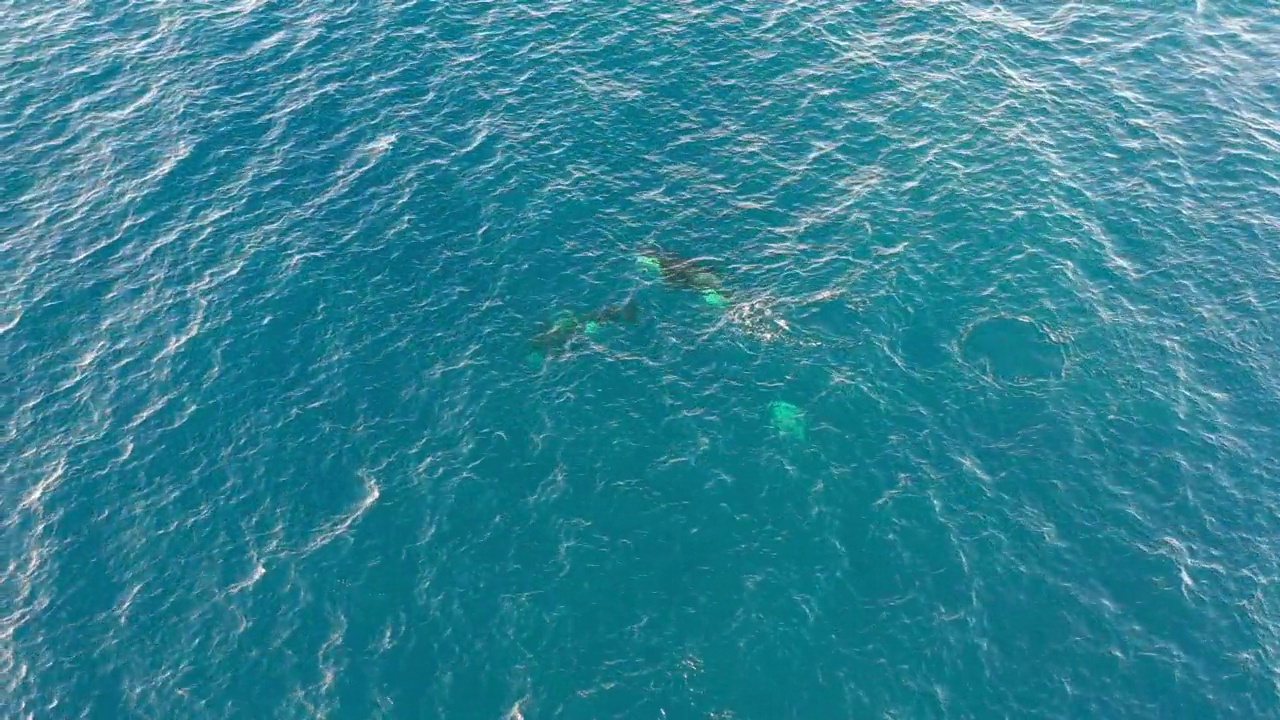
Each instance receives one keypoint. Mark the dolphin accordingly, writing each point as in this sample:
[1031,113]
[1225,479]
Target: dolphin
[679,271]
[556,338]
[686,273]
[627,312]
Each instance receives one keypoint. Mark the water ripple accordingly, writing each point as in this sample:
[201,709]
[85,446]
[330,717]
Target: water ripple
[274,446]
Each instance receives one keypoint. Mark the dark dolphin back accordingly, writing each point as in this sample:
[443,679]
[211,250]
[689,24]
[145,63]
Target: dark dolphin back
[630,312]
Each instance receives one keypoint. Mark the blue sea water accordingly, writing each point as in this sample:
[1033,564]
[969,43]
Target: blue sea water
[276,443]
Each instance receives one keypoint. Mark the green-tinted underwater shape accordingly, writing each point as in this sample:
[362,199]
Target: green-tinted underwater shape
[648,263]
[714,299]
[788,419]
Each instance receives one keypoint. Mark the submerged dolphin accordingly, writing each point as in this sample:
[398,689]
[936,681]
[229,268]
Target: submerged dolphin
[564,330]
[682,272]
[787,419]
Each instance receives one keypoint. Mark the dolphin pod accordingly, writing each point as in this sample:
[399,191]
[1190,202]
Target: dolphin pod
[676,270]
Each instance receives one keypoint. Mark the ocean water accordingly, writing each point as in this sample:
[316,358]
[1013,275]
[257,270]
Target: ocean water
[277,442]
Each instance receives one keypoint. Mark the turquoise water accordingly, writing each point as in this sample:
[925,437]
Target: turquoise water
[277,442]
